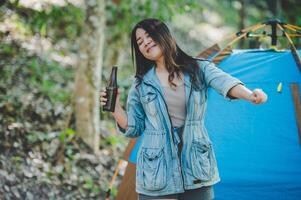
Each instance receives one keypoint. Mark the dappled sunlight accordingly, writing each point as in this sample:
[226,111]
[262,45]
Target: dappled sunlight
[56,55]
[40,5]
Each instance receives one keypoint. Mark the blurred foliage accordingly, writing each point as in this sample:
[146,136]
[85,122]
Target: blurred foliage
[133,11]
[51,20]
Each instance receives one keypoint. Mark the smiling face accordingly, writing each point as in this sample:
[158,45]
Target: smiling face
[147,46]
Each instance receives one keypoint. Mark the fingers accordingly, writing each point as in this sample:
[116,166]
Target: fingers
[103,93]
[263,97]
[256,98]
[103,101]
[259,96]
[102,98]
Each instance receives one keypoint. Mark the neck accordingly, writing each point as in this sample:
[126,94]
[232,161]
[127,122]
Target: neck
[160,65]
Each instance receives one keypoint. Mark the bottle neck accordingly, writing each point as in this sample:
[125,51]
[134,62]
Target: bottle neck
[113,78]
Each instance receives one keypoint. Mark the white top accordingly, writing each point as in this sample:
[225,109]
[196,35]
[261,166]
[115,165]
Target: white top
[175,100]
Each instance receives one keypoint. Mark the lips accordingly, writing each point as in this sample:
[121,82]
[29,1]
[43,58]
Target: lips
[150,48]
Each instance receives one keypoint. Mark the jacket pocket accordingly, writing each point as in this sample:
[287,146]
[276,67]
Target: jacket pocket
[150,103]
[201,160]
[152,172]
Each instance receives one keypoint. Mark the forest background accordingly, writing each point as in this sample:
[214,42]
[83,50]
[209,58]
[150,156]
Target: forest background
[55,55]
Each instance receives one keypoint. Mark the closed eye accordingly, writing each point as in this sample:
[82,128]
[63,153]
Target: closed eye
[141,41]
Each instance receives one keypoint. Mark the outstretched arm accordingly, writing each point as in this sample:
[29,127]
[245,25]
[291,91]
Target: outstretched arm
[257,96]
[229,86]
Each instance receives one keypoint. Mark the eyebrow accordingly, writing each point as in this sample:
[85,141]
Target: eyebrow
[139,38]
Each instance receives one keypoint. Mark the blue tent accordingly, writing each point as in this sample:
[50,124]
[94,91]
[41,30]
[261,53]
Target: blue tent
[257,146]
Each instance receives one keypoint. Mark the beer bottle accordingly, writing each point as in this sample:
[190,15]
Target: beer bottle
[111,91]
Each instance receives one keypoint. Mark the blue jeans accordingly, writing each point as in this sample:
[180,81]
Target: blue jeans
[203,193]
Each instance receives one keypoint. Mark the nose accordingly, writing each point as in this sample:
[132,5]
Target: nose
[147,41]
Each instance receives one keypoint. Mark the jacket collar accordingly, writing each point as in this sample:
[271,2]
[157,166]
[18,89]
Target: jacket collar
[152,79]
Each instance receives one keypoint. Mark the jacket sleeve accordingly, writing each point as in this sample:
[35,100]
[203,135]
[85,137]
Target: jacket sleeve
[135,115]
[219,80]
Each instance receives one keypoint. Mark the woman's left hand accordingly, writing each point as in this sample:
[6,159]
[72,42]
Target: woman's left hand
[258,96]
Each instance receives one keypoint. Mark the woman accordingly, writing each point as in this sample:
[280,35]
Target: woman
[166,105]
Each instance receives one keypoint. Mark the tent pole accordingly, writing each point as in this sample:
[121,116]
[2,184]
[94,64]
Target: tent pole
[294,35]
[293,48]
[234,35]
[274,33]
[290,28]
[113,179]
[226,48]
[297,103]
[293,26]
[245,33]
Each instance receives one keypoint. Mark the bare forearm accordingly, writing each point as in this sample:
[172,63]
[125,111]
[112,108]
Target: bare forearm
[241,92]
[120,117]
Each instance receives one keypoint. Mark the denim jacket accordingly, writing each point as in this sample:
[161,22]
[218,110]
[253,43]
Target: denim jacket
[159,169]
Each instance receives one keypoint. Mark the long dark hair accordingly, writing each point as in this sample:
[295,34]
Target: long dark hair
[175,59]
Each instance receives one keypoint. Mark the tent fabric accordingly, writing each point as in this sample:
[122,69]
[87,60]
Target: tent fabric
[257,146]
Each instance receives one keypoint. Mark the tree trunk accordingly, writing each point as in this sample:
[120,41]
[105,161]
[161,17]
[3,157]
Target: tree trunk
[242,16]
[275,7]
[88,75]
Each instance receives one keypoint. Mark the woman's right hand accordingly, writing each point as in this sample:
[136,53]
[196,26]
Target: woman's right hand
[119,114]
[103,98]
